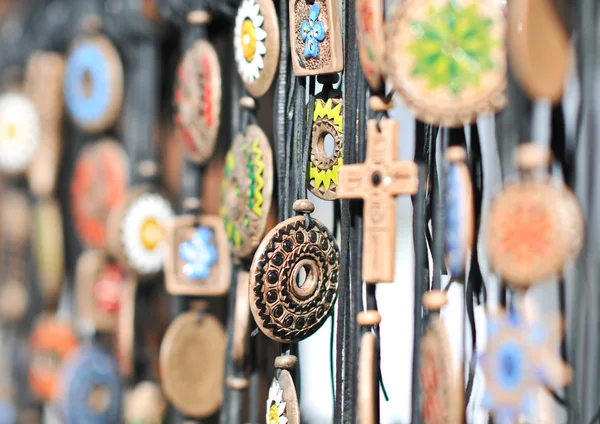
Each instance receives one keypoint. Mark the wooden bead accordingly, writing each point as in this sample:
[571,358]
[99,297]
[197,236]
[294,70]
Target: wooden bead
[303,206]
[377,104]
[248,103]
[530,156]
[286,362]
[191,204]
[147,168]
[456,154]
[199,17]
[434,300]
[368,318]
[91,23]
[328,79]
[237,383]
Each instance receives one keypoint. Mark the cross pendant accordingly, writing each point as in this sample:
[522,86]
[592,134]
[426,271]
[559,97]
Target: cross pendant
[378,181]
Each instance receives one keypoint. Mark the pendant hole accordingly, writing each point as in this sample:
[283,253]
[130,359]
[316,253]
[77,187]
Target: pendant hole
[328,145]
[99,399]
[87,84]
[376,178]
[301,276]
[306,277]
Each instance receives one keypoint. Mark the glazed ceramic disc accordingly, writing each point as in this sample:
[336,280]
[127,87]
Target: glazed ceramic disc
[370,35]
[192,362]
[447,58]
[49,247]
[51,342]
[198,100]
[19,132]
[285,308]
[282,402]
[94,84]
[91,387]
[99,183]
[526,237]
[246,190]
[256,44]
[440,386]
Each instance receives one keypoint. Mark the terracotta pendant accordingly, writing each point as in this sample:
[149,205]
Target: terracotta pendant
[198,260]
[282,402]
[459,217]
[93,86]
[90,387]
[247,188]
[378,181]
[49,247]
[44,86]
[145,404]
[198,100]
[137,230]
[316,37]
[370,35]
[192,362]
[20,133]
[51,342]
[124,343]
[447,58]
[99,184]
[256,45]
[287,306]
[324,165]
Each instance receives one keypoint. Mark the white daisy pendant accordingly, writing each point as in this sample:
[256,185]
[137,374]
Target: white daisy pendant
[256,44]
[19,133]
[142,232]
[282,402]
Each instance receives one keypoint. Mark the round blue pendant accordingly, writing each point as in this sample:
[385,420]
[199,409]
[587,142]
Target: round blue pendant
[91,388]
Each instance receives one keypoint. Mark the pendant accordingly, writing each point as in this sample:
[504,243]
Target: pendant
[370,35]
[282,402]
[125,330]
[145,404]
[368,383]
[242,320]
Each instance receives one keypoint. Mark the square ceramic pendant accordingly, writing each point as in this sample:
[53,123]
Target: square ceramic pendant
[198,261]
[316,37]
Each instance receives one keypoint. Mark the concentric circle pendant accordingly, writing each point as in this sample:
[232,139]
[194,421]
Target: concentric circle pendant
[247,188]
[256,44]
[93,84]
[447,58]
[294,279]
[198,100]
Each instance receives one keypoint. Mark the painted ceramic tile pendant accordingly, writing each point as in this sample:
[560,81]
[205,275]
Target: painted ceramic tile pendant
[247,188]
[447,58]
[285,308]
[198,100]
[90,387]
[518,362]
[99,184]
[20,132]
[316,37]
[256,44]
[371,40]
[94,84]
[198,260]
[324,165]
[282,404]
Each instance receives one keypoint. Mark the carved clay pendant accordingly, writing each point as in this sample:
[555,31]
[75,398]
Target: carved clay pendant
[256,45]
[99,184]
[20,132]
[370,35]
[198,260]
[145,404]
[447,58]
[316,37]
[282,402]
[198,100]
[192,362]
[294,277]
[247,188]
[93,85]
[324,165]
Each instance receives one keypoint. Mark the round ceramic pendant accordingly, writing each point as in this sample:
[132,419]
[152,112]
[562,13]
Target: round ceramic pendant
[247,188]
[99,184]
[8,412]
[326,154]
[282,402]
[198,100]
[370,35]
[256,44]
[198,260]
[459,218]
[439,392]
[94,84]
[368,383]
[20,133]
[447,58]
[91,387]
[192,363]
[98,288]
[137,232]
[49,247]
[287,306]
[145,404]
[126,327]
[51,342]
[525,233]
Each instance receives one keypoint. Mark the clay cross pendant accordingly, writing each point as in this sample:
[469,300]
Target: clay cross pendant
[378,181]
